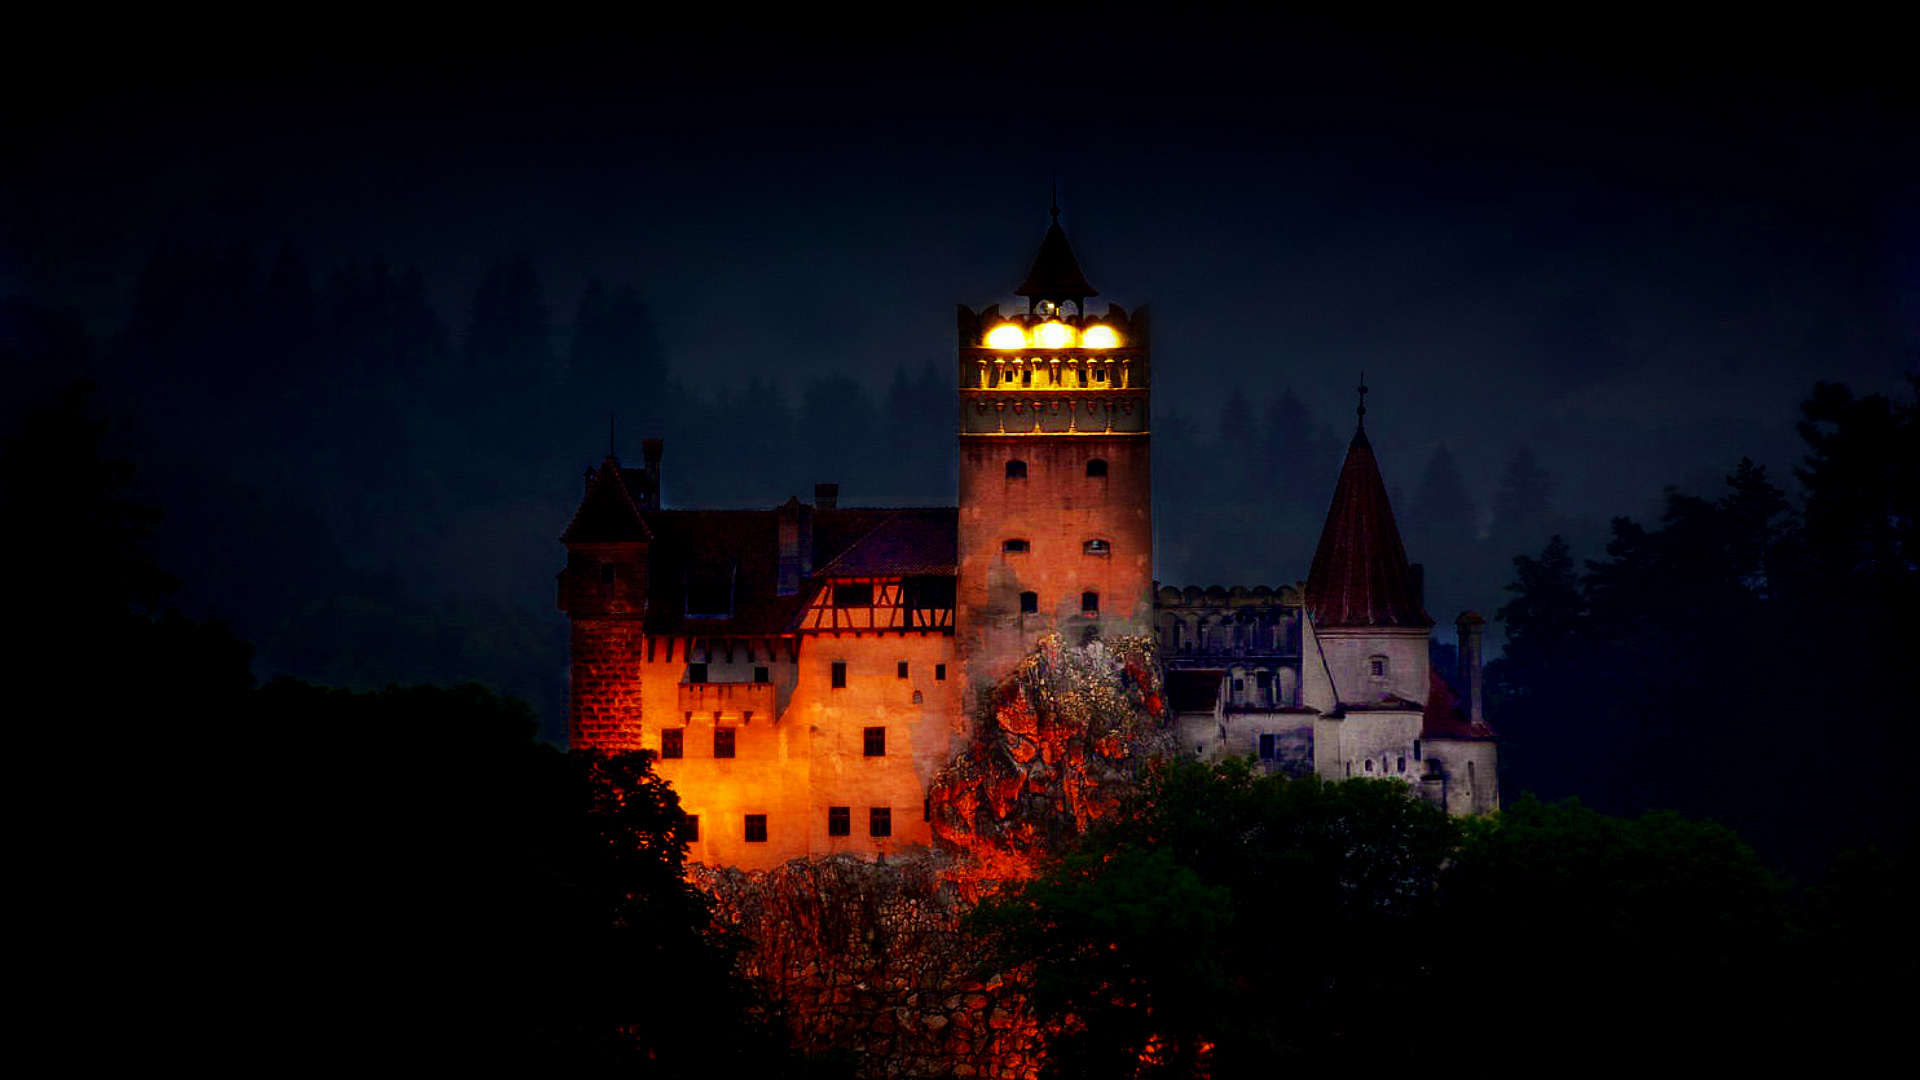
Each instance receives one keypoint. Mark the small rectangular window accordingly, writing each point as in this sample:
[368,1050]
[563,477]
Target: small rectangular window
[1089,603]
[756,828]
[839,674]
[723,742]
[1268,750]
[693,828]
[1016,469]
[839,821]
[1239,685]
[1013,547]
[696,673]
[760,675]
[902,669]
[876,742]
[672,744]
[939,673]
[1097,547]
[880,821]
[1029,603]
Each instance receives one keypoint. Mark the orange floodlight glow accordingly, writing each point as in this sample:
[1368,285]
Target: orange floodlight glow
[1100,337]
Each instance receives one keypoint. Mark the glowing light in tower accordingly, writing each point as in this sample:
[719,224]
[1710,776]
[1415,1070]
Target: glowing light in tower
[1006,336]
[1053,335]
[1100,337]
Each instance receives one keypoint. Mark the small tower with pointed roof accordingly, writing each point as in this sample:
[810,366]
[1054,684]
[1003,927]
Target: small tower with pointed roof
[603,590]
[1367,668]
[1056,524]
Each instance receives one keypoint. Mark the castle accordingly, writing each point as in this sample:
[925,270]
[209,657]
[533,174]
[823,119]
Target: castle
[803,671]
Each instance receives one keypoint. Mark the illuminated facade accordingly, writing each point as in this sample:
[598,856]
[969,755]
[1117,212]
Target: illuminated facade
[802,672]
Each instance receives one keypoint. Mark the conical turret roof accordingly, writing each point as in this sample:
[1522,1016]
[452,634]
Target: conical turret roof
[1056,274]
[1360,575]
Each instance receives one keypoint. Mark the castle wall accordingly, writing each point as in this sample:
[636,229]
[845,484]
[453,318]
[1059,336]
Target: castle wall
[768,773]
[1351,651]
[1057,509]
[1368,746]
[1465,772]
[919,736]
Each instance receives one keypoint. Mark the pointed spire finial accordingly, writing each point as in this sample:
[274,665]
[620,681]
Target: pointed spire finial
[1055,208]
[1362,411]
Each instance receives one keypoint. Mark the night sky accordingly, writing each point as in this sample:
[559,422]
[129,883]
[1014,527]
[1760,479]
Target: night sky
[1634,256]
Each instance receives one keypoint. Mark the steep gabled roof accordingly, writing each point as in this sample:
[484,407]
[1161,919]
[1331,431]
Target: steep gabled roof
[1360,575]
[607,514]
[1056,274]
[918,541]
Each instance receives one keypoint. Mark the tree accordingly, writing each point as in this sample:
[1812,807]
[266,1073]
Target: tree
[1523,504]
[1230,923]
[1606,934]
[1862,478]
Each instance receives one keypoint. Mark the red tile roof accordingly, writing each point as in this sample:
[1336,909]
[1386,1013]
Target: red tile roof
[1360,575]
[912,542]
[1444,718]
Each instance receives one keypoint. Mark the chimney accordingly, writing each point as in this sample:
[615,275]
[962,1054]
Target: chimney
[796,546]
[826,496]
[1469,624]
[650,450]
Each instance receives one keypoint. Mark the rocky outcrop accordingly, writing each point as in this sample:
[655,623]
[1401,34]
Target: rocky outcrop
[869,959]
[1058,744]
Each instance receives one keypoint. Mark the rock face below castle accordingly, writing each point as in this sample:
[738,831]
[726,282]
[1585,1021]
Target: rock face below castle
[808,674]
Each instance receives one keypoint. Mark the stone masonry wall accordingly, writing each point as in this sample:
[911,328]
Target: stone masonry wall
[605,710]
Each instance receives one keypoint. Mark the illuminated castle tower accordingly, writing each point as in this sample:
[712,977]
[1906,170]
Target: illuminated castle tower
[1056,521]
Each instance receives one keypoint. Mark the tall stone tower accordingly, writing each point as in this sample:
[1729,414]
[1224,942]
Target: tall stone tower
[1056,518]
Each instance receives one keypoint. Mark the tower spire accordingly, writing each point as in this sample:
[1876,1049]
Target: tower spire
[1362,410]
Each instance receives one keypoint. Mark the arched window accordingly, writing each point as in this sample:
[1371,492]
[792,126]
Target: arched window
[1089,603]
[1014,547]
[1369,764]
[1097,547]
[1016,469]
[1029,603]
[1401,763]
[1097,467]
